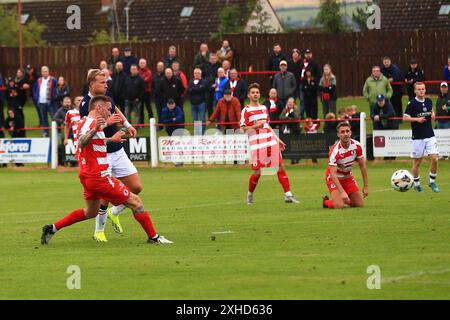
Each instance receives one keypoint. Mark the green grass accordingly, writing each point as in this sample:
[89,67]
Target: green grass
[278,251]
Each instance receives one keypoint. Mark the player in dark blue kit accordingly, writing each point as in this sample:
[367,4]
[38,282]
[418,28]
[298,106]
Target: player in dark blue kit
[120,166]
[420,113]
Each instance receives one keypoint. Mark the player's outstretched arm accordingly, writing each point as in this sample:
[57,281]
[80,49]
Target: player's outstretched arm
[131,130]
[363,167]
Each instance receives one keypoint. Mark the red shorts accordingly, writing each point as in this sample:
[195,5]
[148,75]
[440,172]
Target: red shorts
[267,157]
[107,188]
[349,185]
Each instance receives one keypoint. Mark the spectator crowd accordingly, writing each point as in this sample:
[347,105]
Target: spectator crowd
[217,92]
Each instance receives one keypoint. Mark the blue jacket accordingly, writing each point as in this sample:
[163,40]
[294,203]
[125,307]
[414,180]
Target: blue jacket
[52,89]
[174,116]
[221,85]
[127,62]
[446,73]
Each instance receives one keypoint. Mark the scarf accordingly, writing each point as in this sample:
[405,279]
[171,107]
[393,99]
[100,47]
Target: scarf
[233,83]
[305,65]
[273,105]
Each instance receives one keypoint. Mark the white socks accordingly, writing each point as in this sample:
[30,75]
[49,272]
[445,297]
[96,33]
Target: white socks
[100,220]
[288,194]
[116,210]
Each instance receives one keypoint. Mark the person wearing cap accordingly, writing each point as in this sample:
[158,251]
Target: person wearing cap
[443,107]
[228,110]
[382,110]
[307,64]
[128,60]
[172,114]
[376,84]
[273,62]
[285,83]
[412,75]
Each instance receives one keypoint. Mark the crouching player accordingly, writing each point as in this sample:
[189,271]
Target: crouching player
[95,177]
[339,177]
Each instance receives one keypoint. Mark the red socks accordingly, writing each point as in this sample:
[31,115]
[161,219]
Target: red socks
[146,223]
[71,218]
[253,182]
[329,203]
[284,180]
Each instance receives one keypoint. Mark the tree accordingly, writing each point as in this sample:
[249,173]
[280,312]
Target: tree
[9,35]
[330,17]
[229,22]
[104,37]
[260,17]
[361,15]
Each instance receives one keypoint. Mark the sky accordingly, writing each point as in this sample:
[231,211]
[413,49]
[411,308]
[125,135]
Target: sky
[295,3]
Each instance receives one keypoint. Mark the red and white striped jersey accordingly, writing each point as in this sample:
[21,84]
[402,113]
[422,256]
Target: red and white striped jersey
[344,158]
[72,119]
[258,138]
[92,159]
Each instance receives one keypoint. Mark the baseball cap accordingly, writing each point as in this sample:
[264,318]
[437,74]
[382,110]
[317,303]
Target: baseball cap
[444,84]
[170,101]
[227,91]
[308,51]
[283,62]
[413,61]
[380,97]
[127,49]
[29,67]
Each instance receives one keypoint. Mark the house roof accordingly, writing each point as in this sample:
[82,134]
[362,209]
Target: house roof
[413,14]
[149,20]
[54,15]
[153,20]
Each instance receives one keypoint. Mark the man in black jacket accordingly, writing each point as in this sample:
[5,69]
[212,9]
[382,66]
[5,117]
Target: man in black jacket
[170,87]
[443,107]
[134,90]
[412,75]
[237,86]
[307,64]
[210,76]
[157,77]
[274,60]
[381,111]
[119,80]
[295,66]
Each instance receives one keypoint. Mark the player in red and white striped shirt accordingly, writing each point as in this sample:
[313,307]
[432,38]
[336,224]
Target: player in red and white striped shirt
[339,176]
[72,120]
[96,178]
[265,146]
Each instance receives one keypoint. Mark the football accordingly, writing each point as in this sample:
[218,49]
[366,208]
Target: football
[402,180]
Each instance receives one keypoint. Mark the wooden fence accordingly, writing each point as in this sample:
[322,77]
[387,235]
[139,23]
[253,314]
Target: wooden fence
[351,55]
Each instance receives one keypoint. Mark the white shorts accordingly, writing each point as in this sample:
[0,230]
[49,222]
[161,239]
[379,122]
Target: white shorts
[119,164]
[422,147]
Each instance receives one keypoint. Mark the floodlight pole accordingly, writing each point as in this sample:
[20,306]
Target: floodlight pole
[127,9]
[19,21]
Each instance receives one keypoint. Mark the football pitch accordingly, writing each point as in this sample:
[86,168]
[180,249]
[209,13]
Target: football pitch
[270,250]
